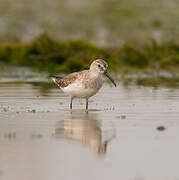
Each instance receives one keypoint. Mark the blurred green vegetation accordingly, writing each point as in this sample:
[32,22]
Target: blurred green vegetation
[47,54]
[159,81]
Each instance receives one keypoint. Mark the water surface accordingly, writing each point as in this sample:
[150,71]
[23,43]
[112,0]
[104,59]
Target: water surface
[129,133]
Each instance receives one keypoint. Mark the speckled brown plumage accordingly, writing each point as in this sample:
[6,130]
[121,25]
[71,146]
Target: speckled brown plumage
[69,79]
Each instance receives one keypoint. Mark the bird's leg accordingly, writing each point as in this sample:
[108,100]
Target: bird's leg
[86,103]
[71,102]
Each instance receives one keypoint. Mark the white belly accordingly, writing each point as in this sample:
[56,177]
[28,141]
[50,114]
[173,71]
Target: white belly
[77,89]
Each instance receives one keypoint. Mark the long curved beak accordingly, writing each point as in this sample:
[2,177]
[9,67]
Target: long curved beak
[108,75]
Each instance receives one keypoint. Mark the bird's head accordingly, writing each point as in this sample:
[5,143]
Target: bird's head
[99,66]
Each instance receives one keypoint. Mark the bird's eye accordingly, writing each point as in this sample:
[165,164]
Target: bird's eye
[99,65]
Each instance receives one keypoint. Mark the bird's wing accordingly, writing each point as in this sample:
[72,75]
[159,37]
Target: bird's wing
[65,81]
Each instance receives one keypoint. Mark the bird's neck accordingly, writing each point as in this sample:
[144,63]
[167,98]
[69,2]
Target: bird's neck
[94,74]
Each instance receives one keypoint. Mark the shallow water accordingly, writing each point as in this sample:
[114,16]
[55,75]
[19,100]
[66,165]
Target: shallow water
[41,139]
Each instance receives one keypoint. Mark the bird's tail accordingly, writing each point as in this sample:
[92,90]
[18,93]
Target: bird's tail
[55,78]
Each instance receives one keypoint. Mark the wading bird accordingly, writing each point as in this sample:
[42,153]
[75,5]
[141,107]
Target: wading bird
[84,84]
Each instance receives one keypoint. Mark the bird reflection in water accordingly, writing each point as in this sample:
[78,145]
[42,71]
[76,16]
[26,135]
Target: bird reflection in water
[84,128]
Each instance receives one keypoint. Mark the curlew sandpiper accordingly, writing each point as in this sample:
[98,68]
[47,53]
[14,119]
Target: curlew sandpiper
[84,84]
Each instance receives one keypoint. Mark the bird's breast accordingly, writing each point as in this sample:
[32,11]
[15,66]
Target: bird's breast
[95,83]
[84,89]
